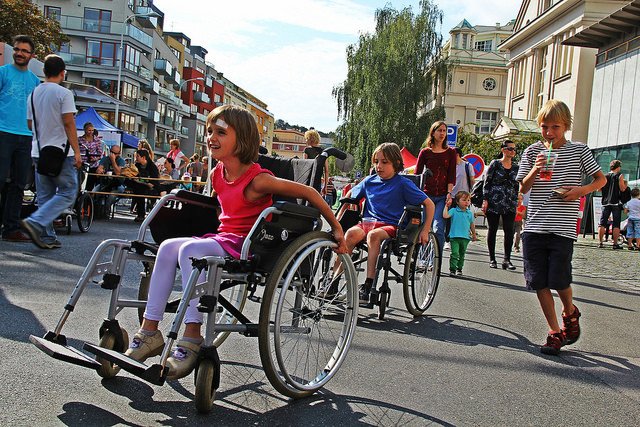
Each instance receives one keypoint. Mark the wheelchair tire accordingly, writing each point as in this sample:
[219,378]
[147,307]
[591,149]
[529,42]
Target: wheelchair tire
[304,337]
[84,212]
[421,275]
[108,341]
[383,302]
[205,393]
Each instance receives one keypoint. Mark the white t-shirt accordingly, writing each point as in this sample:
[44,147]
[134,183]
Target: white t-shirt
[51,101]
[634,208]
[462,182]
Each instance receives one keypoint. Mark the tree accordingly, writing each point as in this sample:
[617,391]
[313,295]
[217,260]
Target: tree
[24,17]
[391,77]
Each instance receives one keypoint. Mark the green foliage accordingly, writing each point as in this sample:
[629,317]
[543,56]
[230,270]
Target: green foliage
[24,17]
[391,77]
[487,147]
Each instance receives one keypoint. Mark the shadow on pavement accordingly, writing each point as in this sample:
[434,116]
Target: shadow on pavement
[22,324]
[245,397]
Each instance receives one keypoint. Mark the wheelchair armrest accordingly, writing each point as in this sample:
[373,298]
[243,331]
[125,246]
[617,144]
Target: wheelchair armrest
[413,208]
[349,201]
[296,209]
[196,198]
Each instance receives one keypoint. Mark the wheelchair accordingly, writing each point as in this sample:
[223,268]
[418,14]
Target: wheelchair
[421,263]
[303,338]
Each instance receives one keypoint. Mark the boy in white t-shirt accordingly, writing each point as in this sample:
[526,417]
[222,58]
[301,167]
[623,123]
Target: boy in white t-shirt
[632,208]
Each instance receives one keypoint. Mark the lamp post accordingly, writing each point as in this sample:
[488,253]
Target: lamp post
[182,85]
[121,58]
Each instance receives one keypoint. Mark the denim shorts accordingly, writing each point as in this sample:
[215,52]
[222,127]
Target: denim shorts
[547,261]
[613,210]
[633,229]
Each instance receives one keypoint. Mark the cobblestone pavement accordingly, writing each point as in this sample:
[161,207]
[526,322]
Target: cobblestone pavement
[621,266]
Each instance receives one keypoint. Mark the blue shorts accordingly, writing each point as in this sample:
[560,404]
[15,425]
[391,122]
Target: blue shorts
[633,228]
[547,261]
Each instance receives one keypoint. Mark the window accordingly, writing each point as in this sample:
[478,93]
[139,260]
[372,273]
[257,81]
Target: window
[464,41]
[541,79]
[129,93]
[101,53]
[187,63]
[200,133]
[175,51]
[162,109]
[484,45]
[52,12]
[200,70]
[486,121]
[132,59]
[128,122]
[519,74]
[489,84]
[564,56]
[161,138]
[108,86]
[97,20]
[216,97]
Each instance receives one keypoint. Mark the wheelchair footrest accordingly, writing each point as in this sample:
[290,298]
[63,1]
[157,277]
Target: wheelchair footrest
[153,374]
[64,352]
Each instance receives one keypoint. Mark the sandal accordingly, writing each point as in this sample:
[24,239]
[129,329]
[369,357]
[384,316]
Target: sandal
[571,326]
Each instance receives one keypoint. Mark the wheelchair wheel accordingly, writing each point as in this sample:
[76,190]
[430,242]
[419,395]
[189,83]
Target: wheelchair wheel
[108,341]
[383,302]
[205,392]
[304,337]
[421,275]
[84,212]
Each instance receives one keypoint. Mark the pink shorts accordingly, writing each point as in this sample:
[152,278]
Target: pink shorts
[389,229]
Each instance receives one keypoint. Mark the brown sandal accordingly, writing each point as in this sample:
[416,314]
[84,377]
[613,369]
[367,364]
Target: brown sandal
[571,326]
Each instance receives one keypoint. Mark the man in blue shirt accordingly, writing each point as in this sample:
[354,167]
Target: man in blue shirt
[16,84]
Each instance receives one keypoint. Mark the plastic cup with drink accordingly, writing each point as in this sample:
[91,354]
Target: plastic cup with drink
[547,170]
[368,223]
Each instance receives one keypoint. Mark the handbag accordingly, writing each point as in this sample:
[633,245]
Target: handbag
[50,158]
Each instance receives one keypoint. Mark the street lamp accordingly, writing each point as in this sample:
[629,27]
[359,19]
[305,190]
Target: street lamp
[121,58]
[182,85]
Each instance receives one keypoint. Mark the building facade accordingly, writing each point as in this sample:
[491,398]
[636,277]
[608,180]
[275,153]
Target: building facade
[541,67]
[288,143]
[614,128]
[164,85]
[474,97]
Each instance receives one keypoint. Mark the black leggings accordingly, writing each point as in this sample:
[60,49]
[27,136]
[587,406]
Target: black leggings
[493,220]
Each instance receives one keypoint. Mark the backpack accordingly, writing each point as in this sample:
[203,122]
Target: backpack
[477,195]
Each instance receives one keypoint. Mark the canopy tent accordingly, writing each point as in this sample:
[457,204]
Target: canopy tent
[408,159]
[111,135]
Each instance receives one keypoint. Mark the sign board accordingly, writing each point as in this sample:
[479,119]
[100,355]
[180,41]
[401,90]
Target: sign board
[477,163]
[452,135]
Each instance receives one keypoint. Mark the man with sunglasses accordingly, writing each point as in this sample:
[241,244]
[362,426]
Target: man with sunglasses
[16,84]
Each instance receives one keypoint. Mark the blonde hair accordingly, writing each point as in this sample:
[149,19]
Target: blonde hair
[555,111]
[430,140]
[247,135]
[461,194]
[313,136]
[175,142]
[391,152]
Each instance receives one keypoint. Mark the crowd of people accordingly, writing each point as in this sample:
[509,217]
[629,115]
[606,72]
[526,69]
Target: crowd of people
[550,174]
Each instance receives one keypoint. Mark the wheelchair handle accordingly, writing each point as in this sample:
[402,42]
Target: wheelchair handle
[335,152]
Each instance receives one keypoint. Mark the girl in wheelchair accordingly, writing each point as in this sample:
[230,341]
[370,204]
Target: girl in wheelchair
[244,190]
[386,194]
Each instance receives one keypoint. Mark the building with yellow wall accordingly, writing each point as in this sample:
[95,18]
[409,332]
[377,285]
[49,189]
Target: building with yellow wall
[288,143]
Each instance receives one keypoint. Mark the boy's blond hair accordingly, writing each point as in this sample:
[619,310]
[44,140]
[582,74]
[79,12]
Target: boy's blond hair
[313,136]
[247,135]
[555,111]
[391,152]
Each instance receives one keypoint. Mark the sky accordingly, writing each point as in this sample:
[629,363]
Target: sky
[291,53]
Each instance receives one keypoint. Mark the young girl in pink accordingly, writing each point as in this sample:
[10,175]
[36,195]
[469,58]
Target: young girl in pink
[244,190]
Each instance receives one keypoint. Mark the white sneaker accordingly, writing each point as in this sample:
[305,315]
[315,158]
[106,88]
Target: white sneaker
[447,245]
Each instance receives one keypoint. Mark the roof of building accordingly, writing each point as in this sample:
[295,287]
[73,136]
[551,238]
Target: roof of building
[608,29]
[463,24]
[515,126]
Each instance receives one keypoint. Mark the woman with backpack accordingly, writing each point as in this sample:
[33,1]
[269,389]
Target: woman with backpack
[500,196]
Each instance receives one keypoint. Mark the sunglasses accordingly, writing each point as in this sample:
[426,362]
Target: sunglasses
[25,51]
[115,152]
[509,148]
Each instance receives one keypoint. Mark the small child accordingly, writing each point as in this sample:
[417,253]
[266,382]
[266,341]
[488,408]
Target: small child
[461,231]
[386,193]
[187,185]
[521,214]
[632,208]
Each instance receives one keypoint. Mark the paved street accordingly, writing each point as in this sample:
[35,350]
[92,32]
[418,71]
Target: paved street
[474,360]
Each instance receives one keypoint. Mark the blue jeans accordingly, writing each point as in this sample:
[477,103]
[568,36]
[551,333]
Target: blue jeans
[15,166]
[439,224]
[54,195]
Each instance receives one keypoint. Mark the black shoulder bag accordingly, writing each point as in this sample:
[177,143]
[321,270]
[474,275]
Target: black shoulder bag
[50,158]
